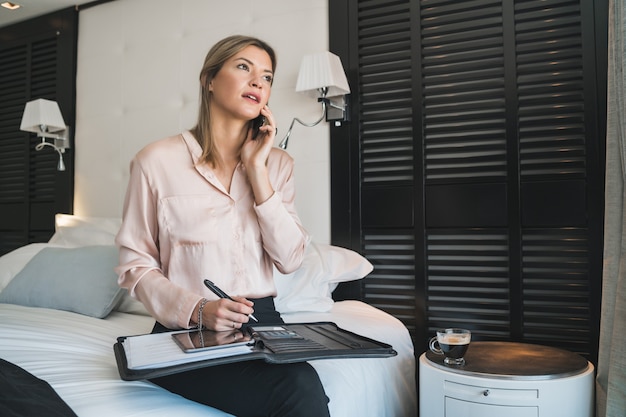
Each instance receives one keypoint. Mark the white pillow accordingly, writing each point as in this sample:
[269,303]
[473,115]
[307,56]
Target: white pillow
[310,287]
[74,231]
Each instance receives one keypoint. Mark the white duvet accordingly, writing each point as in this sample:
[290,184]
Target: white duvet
[74,354]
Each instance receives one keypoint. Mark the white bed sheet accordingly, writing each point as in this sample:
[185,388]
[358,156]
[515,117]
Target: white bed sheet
[74,354]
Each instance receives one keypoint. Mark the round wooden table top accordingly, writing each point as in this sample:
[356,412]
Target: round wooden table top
[515,360]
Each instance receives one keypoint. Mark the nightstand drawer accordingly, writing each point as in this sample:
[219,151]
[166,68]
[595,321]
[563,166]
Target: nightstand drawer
[489,394]
[458,408]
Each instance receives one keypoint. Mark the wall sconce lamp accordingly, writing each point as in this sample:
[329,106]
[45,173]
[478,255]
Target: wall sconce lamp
[44,118]
[321,76]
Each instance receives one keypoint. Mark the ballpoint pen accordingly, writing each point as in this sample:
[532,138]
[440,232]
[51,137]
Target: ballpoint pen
[221,294]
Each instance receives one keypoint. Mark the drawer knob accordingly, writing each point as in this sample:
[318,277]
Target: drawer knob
[486,393]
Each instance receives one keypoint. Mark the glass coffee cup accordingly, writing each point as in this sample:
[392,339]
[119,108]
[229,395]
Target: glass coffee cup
[452,343]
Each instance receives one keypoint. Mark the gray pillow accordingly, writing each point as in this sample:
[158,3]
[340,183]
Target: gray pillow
[81,280]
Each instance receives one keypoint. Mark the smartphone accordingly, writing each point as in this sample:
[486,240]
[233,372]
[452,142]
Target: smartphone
[256,125]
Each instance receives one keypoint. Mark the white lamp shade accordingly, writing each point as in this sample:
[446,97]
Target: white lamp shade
[41,116]
[322,70]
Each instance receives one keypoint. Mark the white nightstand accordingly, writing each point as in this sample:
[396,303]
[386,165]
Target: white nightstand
[506,379]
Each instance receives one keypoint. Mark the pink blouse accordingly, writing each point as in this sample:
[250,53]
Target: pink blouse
[180,226]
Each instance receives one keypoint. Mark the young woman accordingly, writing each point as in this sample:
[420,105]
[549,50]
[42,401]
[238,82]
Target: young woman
[217,203]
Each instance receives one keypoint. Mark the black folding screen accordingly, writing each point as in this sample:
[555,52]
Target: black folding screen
[37,60]
[471,174]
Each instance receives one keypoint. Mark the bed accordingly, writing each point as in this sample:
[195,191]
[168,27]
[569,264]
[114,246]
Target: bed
[61,312]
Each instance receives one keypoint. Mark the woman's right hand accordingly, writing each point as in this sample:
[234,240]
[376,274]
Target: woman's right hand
[224,314]
[256,149]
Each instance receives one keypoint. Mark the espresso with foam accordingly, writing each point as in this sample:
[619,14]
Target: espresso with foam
[454,345]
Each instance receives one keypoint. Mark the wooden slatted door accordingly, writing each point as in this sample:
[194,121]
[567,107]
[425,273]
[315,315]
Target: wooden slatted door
[479,165]
[37,60]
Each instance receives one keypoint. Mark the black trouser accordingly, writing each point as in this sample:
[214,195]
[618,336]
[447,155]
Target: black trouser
[253,388]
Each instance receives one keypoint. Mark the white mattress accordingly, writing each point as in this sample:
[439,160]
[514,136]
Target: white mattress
[74,353]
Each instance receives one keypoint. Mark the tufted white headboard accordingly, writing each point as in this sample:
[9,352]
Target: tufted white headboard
[137,82]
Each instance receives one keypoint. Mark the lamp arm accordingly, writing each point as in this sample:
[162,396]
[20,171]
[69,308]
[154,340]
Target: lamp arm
[334,106]
[60,151]
[283,143]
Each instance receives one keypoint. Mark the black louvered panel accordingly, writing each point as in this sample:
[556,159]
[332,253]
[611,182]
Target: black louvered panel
[43,85]
[385,92]
[468,281]
[12,81]
[37,60]
[556,288]
[12,168]
[11,240]
[477,144]
[28,186]
[391,285]
[13,86]
[43,165]
[463,90]
[13,159]
[550,85]
[43,67]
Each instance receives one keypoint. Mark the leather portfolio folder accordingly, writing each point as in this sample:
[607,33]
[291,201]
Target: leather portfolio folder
[159,354]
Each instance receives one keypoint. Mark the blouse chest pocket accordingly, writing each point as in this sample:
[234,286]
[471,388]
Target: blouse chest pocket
[195,220]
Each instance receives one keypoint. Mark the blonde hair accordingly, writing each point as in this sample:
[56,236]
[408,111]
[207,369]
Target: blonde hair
[213,62]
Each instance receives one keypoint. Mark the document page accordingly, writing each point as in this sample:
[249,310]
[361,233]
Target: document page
[159,350]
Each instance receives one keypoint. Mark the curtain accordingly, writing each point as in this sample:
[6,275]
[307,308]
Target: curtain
[611,372]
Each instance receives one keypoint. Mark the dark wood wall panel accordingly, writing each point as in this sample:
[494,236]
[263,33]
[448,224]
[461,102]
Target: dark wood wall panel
[474,164]
[37,60]
[456,205]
